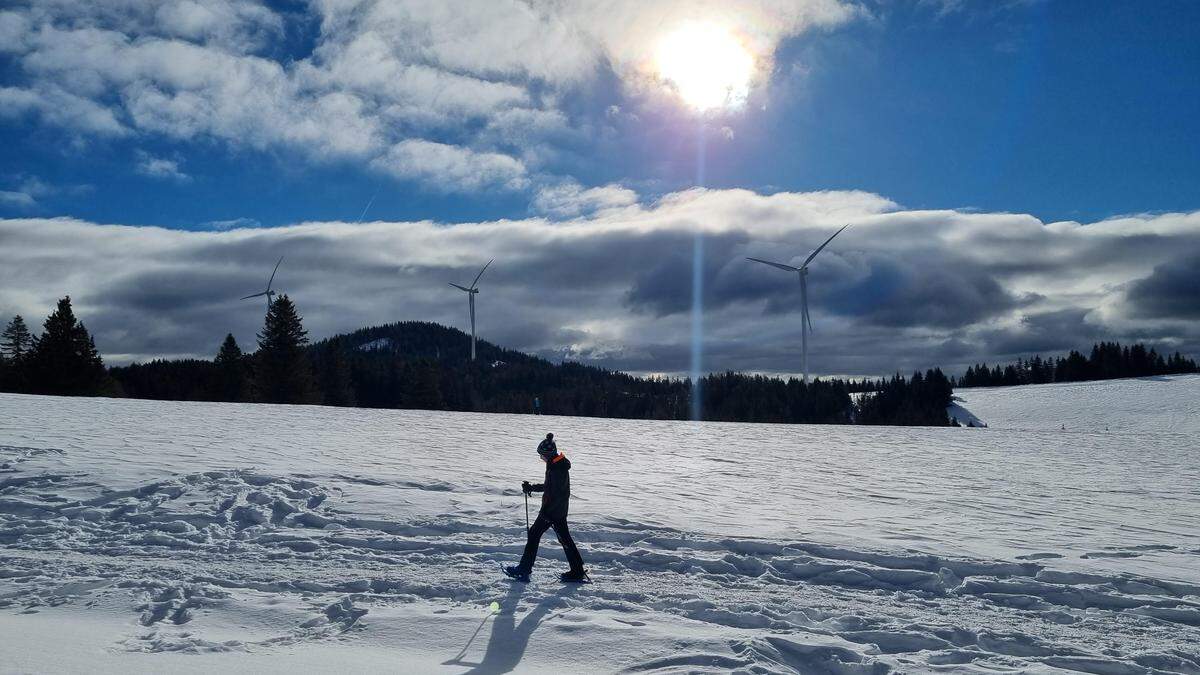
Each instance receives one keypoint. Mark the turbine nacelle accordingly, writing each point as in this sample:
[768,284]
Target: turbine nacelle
[268,293]
[802,270]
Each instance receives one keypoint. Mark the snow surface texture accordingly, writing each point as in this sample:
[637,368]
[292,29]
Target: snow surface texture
[142,536]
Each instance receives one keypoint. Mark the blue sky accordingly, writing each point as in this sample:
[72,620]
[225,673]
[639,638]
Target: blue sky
[1064,110]
[1020,176]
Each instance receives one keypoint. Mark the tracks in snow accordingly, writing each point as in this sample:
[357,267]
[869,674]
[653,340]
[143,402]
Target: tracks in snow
[185,549]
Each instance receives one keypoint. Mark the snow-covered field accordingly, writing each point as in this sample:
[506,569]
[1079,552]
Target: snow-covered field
[1138,405]
[140,536]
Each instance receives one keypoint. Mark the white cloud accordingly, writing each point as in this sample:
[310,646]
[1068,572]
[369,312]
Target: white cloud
[29,189]
[158,167]
[453,168]
[630,30]
[240,25]
[17,199]
[232,23]
[61,108]
[232,224]
[570,199]
[481,90]
[14,30]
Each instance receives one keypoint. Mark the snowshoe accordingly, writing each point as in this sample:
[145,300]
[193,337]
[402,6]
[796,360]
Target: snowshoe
[516,574]
[580,577]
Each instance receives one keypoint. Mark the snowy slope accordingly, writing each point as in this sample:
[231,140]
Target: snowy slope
[1147,404]
[275,539]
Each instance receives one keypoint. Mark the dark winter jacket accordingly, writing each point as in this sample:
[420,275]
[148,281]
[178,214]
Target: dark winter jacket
[556,491]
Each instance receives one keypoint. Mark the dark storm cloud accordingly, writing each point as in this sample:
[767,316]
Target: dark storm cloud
[908,272]
[932,289]
[664,289]
[935,291]
[174,290]
[1172,291]
[1047,332]
[664,285]
[897,291]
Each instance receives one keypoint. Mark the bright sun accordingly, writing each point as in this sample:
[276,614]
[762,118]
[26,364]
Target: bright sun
[706,65]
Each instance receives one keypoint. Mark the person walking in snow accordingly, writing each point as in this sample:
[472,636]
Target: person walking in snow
[556,493]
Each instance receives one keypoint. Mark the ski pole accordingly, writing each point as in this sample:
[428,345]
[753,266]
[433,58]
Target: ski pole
[526,513]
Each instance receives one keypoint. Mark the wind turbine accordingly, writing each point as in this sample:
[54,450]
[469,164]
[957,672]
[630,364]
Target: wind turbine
[805,319]
[471,301]
[269,293]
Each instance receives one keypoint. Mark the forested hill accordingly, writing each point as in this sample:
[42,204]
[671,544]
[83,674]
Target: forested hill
[415,364]
[415,340]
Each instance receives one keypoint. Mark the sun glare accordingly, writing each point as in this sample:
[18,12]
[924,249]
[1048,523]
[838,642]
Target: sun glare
[706,66]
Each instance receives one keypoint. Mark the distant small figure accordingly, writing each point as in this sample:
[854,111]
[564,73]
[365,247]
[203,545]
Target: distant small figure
[537,406]
[1064,427]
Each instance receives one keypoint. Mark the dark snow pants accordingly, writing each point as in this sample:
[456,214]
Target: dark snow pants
[539,527]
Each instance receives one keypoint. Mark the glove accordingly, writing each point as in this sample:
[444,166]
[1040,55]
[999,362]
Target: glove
[526,487]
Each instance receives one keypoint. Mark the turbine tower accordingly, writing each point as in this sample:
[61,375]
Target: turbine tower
[269,293]
[805,319]
[471,291]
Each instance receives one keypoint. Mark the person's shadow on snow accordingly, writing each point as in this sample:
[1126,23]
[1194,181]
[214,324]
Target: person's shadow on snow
[506,646]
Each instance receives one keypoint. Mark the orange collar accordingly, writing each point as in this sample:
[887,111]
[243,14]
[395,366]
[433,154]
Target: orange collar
[556,458]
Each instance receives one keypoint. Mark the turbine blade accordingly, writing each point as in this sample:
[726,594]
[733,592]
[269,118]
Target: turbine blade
[814,253]
[781,266]
[481,272]
[254,296]
[461,288]
[272,279]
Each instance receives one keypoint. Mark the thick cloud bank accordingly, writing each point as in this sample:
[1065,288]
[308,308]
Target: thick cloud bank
[897,290]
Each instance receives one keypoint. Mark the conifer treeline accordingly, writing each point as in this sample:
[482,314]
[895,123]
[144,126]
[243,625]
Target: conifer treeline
[61,361]
[919,401]
[418,365]
[427,366]
[281,371]
[1108,360]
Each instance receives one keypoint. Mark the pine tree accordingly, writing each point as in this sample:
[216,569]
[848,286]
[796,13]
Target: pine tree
[64,360]
[17,342]
[233,380]
[282,370]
